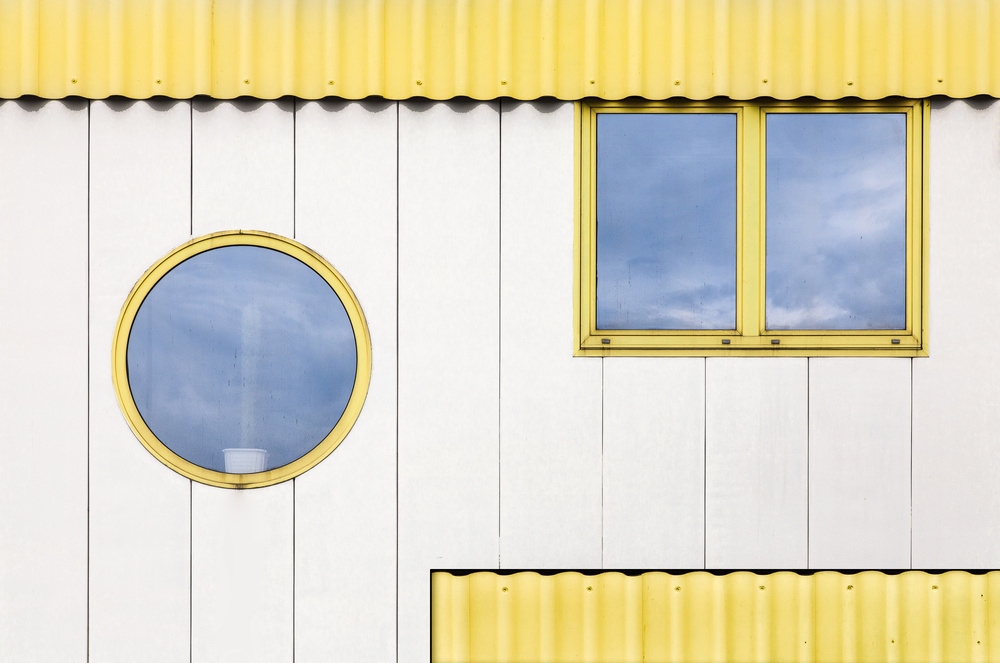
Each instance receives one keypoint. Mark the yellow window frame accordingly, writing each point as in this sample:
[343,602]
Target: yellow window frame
[311,259]
[750,337]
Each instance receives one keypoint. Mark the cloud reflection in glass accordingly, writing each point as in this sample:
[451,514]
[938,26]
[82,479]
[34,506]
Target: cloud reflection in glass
[666,221]
[241,347]
[836,221]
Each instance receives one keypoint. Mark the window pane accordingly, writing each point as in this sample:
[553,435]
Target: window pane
[241,348]
[836,221]
[666,221]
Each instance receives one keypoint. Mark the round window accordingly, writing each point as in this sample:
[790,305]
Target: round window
[241,359]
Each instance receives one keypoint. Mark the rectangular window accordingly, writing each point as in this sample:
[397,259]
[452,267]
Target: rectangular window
[711,228]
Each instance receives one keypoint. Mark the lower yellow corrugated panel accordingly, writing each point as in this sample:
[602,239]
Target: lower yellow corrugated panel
[784,616]
[484,49]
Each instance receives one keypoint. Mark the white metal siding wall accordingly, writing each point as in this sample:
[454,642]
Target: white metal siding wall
[345,511]
[550,401]
[43,392]
[140,516]
[483,443]
[956,418]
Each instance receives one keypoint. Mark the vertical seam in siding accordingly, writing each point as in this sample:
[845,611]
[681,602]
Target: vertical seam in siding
[89,136]
[190,482]
[294,482]
[294,503]
[499,330]
[295,152]
[191,166]
[808,455]
[397,381]
[190,570]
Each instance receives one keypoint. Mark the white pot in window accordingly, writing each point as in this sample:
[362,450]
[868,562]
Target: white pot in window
[245,461]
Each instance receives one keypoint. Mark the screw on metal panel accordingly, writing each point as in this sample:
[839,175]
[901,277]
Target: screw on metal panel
[606,341]
[504,589]
[850,82]
[763,80]
[158,81]
[677,589]
[677,82]
[761,588]
[590,589]
[775,341]
[940,80]
[933,586]
[592,82]
[246,81]
[895,341]
[72,80]
[725,341]
[329,82]
[503,82]
[420,82]
[850,587]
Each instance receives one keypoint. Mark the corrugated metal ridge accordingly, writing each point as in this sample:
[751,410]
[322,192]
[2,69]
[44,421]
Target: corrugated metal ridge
[784,616]
[485,49]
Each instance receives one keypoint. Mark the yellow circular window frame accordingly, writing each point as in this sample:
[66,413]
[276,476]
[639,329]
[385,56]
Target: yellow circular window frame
[241,238]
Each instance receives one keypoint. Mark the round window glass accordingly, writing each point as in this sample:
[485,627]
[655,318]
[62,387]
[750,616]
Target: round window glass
[241,359]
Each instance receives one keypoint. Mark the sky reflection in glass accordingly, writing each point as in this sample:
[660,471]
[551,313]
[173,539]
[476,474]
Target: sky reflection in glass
[666,221]
[241,346]
[836,221]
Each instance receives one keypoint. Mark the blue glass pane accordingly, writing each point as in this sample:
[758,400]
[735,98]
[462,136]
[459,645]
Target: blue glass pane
[241,347]
[836,221]
[666,221]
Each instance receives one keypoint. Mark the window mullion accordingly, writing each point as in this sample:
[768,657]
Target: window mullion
[750,246]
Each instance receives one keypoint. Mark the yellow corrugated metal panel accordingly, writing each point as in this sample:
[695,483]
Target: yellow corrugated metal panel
[500,48]
[784,616]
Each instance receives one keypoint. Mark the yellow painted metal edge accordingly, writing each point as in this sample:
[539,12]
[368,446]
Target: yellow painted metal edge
[579,174]
[750,338]
[119,366]
[486,49]
[925,229]
[742,616]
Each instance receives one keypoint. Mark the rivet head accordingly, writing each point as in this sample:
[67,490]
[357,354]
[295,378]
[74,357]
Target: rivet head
[850,587]
[940,80]
[72,80]
[763,80]
[329,82]
[933,586]
[503,82]
[246,81]
[677,589]
[677,82]
[589,588]
[592,82]
[420,82]
[761,588]
[158,81]
[850,82]
[504,589]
